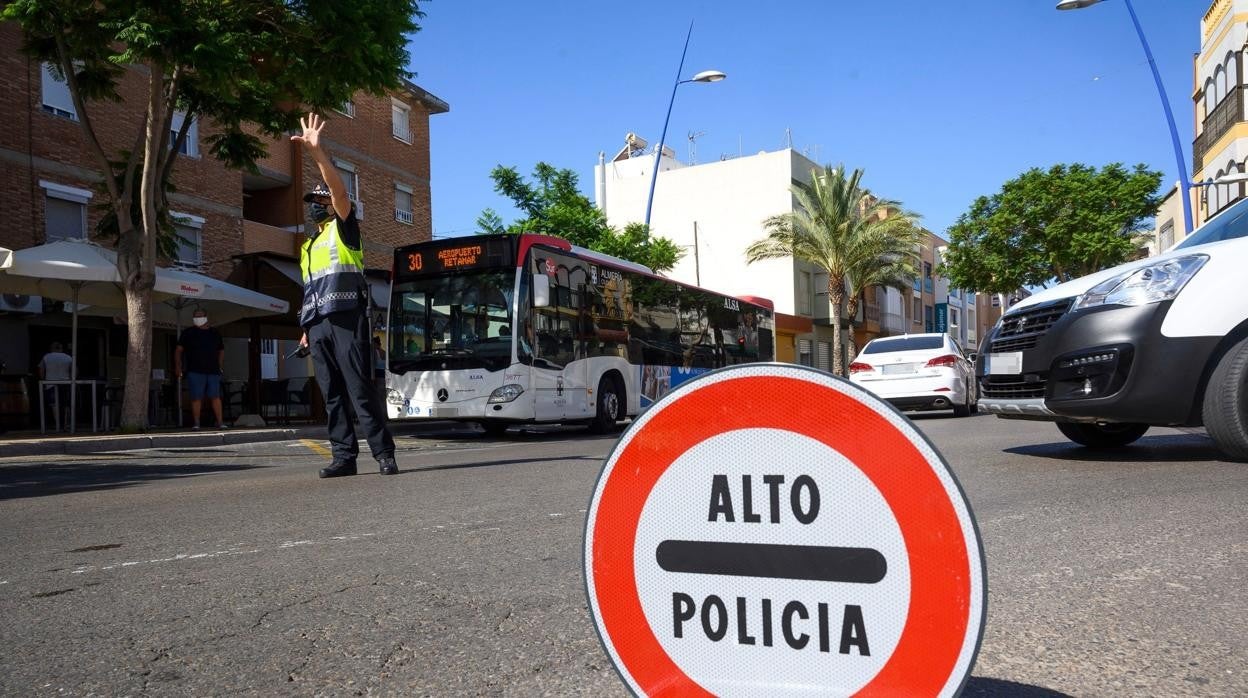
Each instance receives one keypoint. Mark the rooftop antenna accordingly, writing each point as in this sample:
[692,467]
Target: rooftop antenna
[693,146]
[788,138]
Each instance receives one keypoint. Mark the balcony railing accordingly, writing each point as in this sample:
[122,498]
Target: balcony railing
[1225,115]
[402,216]
[893,323]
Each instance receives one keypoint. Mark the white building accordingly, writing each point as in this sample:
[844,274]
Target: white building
[715,211]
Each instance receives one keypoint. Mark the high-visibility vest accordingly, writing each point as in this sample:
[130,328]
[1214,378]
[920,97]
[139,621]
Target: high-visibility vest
[333,275]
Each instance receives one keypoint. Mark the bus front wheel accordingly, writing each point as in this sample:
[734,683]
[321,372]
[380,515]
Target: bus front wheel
[610,408]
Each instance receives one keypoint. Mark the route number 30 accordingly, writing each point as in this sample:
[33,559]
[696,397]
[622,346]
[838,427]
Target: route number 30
[415,262]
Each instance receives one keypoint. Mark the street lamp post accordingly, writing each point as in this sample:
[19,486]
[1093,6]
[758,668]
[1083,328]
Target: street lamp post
[1184,181]
[704,76]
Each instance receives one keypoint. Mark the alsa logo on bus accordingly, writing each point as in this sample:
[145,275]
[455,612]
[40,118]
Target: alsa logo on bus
[732,304]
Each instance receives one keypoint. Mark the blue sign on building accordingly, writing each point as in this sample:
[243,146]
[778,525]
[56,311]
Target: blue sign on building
[942,317]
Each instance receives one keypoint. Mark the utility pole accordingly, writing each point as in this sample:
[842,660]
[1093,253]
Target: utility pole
[697,267]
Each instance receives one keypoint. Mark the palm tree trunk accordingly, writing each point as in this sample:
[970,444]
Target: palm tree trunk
[838,365]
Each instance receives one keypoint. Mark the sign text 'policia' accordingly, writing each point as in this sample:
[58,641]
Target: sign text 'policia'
[758,620]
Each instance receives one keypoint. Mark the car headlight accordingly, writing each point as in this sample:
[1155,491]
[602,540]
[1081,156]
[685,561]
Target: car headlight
[1151,284]
[506,393]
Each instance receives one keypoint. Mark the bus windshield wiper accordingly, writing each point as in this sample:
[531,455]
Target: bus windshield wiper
[451,351]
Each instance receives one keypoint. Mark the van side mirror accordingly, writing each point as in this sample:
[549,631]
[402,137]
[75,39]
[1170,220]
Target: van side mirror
[973,356]
[541,291]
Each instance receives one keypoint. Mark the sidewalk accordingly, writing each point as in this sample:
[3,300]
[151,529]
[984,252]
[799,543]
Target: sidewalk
[31,443]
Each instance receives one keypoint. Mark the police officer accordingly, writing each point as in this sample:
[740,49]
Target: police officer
[335,319]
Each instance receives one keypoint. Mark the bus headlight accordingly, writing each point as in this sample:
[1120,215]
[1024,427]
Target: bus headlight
[393,397]
[506,393]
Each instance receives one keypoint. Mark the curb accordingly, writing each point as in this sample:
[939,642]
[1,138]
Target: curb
[134,442]
[86,445]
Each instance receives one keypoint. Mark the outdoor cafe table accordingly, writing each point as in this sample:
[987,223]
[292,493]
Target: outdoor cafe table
[73,418]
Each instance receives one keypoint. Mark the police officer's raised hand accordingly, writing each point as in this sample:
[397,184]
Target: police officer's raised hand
[311,138]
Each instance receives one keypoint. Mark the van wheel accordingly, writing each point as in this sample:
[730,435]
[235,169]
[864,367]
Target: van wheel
[1099,436]
[1225,411]
[610,409]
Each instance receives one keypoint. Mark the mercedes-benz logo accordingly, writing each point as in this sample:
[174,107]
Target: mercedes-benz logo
[443,395]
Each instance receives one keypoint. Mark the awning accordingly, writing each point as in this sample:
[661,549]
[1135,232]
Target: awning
[379,289]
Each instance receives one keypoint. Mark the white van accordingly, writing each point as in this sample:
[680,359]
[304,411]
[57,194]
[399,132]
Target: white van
[1161,341]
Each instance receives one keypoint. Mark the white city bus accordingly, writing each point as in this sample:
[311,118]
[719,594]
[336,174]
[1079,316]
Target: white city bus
[516,329]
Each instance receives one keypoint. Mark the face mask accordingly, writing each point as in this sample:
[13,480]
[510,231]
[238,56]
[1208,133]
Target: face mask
[200,321]
[318,212]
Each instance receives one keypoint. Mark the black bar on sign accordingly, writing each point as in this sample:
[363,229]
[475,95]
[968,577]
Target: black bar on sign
[810,562]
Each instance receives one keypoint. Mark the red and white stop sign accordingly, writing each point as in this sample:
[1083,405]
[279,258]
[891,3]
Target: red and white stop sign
[770,529]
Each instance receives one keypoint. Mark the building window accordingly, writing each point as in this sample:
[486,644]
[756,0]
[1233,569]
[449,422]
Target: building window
[402,203]
[189,230]
[929,319]
[56,97]
[927,277]
[65,212]
[803,293]
[400,115]
[1165,238]
[347,109]
[351,179]
[823,360]
[953,318]
[917,314]
[804,352]
[190,146]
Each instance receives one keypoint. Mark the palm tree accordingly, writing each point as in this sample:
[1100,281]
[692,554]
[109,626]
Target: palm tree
[857,239]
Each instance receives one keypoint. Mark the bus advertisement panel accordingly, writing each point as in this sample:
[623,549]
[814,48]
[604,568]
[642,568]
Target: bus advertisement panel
[513,329]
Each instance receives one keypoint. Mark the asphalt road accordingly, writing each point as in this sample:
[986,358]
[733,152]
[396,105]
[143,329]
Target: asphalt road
[234,570]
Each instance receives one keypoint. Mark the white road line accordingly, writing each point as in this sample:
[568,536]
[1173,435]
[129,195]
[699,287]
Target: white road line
[289,544]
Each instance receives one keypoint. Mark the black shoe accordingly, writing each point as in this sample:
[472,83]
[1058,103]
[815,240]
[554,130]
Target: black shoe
[338,469]
[388,466]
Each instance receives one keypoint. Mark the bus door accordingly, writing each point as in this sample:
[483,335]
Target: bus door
[549,371]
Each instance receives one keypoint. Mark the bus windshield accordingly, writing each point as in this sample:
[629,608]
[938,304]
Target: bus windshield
[452,321]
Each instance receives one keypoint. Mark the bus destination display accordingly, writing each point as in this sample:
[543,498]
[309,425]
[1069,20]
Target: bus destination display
[435,259]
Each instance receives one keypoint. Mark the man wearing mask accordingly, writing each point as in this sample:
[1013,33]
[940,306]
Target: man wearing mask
[334,316]
[203,351]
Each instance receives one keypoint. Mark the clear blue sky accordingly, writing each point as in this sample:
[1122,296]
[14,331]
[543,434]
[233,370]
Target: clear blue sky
[939,102]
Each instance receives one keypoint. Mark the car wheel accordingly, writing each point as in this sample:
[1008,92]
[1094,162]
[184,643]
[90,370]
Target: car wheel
[1102,435]
[610,407]
[964,410]
[1225,411]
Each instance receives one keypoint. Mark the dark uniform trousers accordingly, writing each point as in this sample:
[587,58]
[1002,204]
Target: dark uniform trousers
[343,360]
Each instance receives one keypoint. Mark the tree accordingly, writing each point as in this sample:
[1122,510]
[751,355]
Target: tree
[856,238]
[553,205]
[246,66]
[1060,223]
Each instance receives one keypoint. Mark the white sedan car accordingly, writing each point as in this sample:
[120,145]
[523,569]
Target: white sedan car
[918,372]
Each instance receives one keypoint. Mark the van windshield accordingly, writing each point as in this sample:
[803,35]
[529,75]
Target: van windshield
[1228,225]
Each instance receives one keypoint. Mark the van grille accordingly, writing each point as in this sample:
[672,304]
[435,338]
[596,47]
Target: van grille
[1022,330]
[1011,388]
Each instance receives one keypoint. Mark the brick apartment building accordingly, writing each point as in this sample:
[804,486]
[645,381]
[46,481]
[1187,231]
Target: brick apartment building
[241,227]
